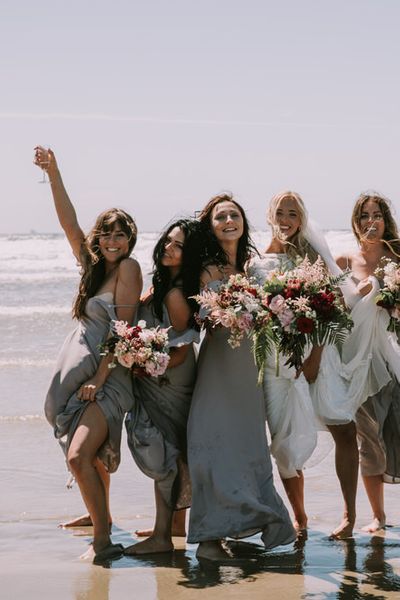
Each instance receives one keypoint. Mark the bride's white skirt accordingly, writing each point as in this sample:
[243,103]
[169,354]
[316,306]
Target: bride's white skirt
[290,418]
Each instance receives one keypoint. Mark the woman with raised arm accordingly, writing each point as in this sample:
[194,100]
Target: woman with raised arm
[378,422]
[157,427]
[229,462]
[87,402]
[293,413]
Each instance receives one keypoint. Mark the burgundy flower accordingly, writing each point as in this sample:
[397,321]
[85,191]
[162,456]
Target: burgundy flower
[305,325]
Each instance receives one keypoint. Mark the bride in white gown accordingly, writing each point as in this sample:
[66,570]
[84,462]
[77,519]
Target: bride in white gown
[293,414]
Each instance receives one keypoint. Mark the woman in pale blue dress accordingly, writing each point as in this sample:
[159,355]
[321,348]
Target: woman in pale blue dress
[157,426]
[229,462]
[87,402]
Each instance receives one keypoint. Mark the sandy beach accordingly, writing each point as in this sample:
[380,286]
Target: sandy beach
[41,561]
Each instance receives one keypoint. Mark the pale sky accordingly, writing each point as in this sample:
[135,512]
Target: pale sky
[155,106]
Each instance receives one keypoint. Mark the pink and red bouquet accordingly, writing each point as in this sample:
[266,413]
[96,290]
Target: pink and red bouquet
[139,347]
[389,295]
[306,309]
[236,305]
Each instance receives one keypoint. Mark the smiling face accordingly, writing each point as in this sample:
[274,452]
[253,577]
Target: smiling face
[173,249]
[113,244]
[371,222]
[287,218]
[227,222]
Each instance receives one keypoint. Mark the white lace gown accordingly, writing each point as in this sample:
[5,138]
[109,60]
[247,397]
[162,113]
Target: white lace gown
[288,404]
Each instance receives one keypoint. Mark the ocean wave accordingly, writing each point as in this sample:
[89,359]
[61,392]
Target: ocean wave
[27,311]
[21,418]
[38,276]
[27,362]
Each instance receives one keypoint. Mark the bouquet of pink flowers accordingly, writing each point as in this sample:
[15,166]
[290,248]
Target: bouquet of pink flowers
[306,309]
[235,305]
[139,347]
[389,295]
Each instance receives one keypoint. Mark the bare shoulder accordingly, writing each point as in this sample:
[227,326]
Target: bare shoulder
[344,261]
[178,309]
[129,268]
[209,273]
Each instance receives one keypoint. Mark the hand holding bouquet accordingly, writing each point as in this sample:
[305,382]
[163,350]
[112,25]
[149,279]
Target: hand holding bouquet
[235,305]
[139,347]
[306,310]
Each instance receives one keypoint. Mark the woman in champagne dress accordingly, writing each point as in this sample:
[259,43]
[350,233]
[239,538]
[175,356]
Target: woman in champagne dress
[378,419]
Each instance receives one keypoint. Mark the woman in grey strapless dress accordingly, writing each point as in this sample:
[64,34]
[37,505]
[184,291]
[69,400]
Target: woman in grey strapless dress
[157,425]
[87,401]
[229,461]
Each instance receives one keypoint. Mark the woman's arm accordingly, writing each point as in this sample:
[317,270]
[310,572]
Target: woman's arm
[66,214]
[179,314]
[311,364]
[209,273]
[128,289]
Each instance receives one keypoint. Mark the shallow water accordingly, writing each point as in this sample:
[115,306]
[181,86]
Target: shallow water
[40,561]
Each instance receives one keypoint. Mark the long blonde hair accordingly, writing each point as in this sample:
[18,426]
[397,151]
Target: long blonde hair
[297,245]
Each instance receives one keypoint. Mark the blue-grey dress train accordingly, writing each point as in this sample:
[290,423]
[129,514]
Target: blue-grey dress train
[229,461]
[156,427]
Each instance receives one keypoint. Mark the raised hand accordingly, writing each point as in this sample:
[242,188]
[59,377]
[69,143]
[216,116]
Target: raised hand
[46,160]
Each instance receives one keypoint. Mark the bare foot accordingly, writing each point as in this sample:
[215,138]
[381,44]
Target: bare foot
[149,532]
[345,530]
[83,521]
[149,546]
[375,525]
[105,553]
[213,551]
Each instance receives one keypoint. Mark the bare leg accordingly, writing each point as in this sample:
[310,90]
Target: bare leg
[294,487]
[178,526]
[160,540]
[89,436]
[85,520]
[346,462]
[374,488]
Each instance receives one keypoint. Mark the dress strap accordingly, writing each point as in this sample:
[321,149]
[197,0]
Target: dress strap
[115,285]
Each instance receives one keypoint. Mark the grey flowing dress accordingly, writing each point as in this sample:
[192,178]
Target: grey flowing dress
[229,461]
[77,362]
[156,427]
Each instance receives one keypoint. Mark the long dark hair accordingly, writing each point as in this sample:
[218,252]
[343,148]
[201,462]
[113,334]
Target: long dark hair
[215,253]
[391,234]
[92,261]
[188,278]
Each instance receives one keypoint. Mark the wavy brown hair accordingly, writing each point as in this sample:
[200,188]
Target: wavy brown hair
[92,261]
[391,234]
[214,251]
[297,245]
